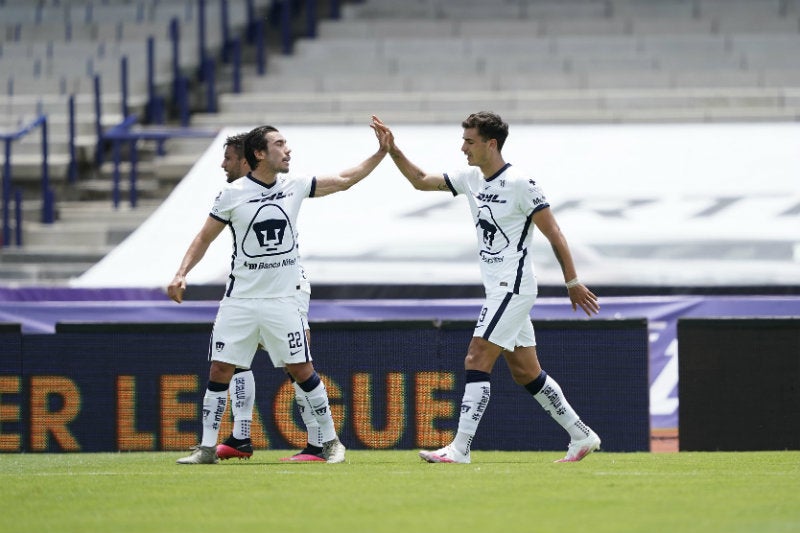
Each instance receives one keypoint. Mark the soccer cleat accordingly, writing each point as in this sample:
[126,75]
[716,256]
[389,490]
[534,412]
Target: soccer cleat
[229,449]
[202,455]
[577,450]
[448,454]
[309,454]
[333,451]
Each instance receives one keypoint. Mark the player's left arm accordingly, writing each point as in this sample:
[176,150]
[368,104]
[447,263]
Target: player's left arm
[347,178]
[579,294]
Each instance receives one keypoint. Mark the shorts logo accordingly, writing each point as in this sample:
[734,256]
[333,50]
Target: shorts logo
[219,346]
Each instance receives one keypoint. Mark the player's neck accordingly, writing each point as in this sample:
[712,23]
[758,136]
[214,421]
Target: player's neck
[492,167]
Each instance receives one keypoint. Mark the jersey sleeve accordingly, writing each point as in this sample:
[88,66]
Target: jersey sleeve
[309,186]
[532,197]
[221,209]
[456,182]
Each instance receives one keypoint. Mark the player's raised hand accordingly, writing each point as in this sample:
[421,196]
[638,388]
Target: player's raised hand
[385,136]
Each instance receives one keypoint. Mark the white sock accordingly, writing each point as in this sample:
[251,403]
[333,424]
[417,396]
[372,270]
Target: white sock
[473,405]
[243,398]
[552,399]
[321,411]
[214,403]
[578,430]
[312,426]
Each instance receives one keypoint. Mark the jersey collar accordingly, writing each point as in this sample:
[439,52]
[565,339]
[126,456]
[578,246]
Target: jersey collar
[261,183]
[503,169]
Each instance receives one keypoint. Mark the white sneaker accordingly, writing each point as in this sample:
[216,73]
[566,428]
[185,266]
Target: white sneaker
[201,455]
[579,449]
[448,454]
[333,451]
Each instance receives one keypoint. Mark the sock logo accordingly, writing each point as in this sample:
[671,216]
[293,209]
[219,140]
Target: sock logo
[482,404]
[555,400]
[219,412]
[239,391]
[321,411]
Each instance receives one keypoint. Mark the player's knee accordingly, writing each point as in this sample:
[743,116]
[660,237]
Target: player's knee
[481,355]
[300,372]
[221,372]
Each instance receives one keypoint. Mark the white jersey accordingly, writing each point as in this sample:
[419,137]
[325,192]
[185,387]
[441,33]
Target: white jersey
[263,220]
[501,207]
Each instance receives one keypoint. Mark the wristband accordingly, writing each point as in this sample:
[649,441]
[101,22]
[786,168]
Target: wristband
[574,282]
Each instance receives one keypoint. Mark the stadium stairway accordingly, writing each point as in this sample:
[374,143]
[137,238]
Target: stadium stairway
[51,50]
[87,224]
[536,61]
[85,231]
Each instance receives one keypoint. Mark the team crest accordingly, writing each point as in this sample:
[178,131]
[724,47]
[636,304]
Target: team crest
[492,238]
[270,233]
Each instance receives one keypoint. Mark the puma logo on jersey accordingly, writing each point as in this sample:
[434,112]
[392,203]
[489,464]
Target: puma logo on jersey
[270,231]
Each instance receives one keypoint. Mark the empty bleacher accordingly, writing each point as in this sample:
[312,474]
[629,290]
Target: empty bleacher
[410,61]
[699,60]
[51,52]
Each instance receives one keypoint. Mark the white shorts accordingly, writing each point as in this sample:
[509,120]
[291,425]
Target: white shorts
[505,320]
[303,303]
[304,294]
[276,324]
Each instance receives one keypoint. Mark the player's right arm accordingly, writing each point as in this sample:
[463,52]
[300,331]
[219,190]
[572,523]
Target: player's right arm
[197,249]
[416,176]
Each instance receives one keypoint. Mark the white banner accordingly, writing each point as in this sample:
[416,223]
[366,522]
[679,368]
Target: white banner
[682,204]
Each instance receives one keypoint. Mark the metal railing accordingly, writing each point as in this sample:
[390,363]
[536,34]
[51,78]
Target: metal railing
[129,131]
[9,191]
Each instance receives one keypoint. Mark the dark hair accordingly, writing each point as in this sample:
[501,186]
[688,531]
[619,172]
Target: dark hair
[256,139]
[237,143]
[489,126]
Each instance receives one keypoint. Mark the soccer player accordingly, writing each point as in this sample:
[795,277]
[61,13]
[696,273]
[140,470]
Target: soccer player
[506,202]
[243,388]
[260,302]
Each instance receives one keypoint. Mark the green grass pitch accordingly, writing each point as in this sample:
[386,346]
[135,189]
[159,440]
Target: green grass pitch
[393,491]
